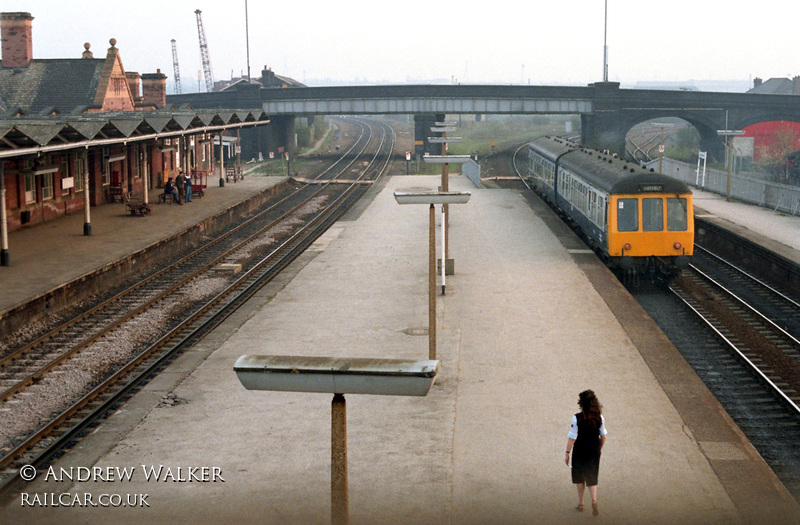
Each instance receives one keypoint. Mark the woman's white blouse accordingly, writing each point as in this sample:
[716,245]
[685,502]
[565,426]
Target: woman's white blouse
[573,428]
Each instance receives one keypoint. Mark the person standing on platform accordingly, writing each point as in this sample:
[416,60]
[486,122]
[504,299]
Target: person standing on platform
[187,185]
[587,435]
[179,185]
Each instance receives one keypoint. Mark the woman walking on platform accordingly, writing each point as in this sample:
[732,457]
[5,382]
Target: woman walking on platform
[587,435]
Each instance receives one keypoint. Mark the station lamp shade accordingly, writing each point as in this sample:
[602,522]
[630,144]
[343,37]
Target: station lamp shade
[432,197]
[337,375]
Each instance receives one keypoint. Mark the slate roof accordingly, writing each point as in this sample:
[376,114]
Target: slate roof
[774,86]
[46,85]
[31,134]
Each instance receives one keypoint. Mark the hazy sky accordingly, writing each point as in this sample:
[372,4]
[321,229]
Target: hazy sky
[498,41]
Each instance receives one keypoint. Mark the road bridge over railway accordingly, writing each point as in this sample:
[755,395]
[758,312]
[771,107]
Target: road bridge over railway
[607,112]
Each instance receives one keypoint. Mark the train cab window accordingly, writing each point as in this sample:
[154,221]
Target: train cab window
[653,215]
[627,215]
[676,215]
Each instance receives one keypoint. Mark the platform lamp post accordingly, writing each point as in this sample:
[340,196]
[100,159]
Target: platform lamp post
[444,140]
[431,198]
[605,44]
[337,376]
[448,265]
[729,133]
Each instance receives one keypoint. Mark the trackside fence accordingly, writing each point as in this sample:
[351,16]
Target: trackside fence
[779,197]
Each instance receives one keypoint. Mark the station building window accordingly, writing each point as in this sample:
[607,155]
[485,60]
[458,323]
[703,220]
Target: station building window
[47,186]
[79,171]
[30,188]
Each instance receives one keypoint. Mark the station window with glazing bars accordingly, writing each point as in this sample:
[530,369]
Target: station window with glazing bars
[627,215]
[30,188]
[47,186]
[79,171]
[676,215]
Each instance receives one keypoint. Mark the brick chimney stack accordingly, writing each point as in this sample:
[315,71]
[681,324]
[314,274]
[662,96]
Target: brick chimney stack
[796,86]
[154,88]
[133,83]
[267,77]
[16,35]
[756,82]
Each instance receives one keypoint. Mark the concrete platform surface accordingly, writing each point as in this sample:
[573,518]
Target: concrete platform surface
[46,255]
[524,327]
[775,230]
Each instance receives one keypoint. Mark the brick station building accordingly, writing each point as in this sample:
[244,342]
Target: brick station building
[81,132]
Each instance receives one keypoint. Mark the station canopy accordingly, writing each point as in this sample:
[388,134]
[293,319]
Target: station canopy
[22,135]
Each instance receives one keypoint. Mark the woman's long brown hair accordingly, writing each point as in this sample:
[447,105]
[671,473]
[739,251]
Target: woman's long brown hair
[590,406]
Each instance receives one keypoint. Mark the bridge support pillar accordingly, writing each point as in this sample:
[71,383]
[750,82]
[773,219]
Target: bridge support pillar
[422,130]
[605,128]
[712,143]
[604,132]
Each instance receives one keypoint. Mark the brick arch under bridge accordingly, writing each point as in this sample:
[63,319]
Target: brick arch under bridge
[615,111]
[612,137]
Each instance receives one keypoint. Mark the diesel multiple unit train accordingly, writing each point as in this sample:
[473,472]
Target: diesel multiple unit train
[639,222]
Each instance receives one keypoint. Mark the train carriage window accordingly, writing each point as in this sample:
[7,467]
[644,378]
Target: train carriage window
[676,215]
[627,215]
[653,215]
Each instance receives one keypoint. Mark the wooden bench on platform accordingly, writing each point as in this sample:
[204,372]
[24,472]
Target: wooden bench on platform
[166,197]
[136,205]
[233,173]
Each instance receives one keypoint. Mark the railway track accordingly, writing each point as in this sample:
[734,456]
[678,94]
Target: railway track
[728,327]
[117,345]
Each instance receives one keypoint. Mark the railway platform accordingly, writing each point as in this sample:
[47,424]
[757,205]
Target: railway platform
[529,320]
[44,257]
[771,229]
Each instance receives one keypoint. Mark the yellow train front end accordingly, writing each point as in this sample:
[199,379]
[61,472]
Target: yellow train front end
[651,232]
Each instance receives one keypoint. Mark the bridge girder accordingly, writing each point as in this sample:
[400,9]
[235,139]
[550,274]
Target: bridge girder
[418,106]
[607,112]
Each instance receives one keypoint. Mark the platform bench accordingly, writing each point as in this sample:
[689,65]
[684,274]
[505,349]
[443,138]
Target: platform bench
[136,205]
[166,197]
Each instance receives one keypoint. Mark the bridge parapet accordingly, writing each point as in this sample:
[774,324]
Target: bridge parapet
[384,100]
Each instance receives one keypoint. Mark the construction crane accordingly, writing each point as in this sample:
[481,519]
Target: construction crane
[204,54]
[176,70]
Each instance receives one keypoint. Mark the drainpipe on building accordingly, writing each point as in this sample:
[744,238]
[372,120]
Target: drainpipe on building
[145,174]
[221,161]
[3,219]
[87,222]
